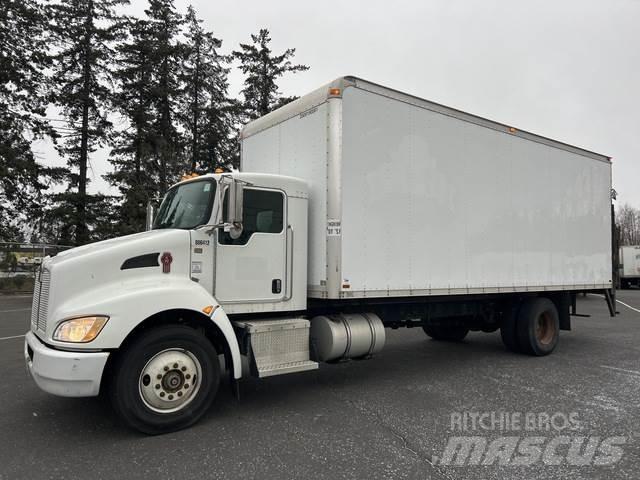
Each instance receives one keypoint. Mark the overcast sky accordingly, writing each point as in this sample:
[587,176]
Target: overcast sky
[566,69]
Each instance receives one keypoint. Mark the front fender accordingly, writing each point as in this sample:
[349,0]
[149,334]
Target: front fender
[128,304]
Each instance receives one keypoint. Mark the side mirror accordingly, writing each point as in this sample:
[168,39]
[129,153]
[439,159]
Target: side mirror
[151,212]
[235,209]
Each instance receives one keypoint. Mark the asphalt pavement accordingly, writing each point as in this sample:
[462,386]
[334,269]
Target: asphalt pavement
[398,415]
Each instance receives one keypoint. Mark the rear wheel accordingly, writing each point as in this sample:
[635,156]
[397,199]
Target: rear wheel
[538,326]
[165,380]
[450,334]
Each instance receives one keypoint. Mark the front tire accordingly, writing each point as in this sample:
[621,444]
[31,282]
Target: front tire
[165,380]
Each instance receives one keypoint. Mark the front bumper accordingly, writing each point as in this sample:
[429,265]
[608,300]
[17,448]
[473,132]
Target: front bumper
[68,374]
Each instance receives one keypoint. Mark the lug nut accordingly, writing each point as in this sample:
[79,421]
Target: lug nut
[175,365]
[157,386]
[184,369]
[186,385]
[179,394]
[162,394]
[187,376]
[170,397]
[159,377]
[166,369]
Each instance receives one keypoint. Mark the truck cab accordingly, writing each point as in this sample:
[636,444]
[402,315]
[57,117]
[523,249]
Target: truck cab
[220,245]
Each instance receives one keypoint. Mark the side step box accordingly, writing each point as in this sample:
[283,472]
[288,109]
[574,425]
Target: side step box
[275,346]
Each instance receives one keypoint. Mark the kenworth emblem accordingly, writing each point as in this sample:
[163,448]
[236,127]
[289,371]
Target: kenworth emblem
[166,260]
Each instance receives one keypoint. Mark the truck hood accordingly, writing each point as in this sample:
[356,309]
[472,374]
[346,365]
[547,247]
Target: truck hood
[123,263]
[125,245]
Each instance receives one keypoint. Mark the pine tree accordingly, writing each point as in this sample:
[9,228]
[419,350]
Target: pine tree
[85,32]
[135,174]
[206,108]
[262,69]
[165,25]
[23,100]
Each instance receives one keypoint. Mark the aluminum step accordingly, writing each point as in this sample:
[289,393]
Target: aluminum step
[277,346]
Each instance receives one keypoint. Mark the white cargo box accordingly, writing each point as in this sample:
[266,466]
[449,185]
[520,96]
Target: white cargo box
[409,197]
[630,261]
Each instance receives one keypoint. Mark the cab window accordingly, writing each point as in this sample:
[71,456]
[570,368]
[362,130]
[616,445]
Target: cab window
[263,212]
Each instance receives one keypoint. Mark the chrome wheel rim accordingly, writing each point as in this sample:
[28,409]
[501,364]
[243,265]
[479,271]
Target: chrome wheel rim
[170,380]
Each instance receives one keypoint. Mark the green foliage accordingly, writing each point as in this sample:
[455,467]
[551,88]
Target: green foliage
[207,113]
[161,79]
[23,100]
[262,69]
[85,32]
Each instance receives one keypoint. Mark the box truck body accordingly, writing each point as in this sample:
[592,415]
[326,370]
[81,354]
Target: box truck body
[629,265]
[411,198]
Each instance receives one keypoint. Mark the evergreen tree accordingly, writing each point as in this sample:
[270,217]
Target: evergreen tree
[85,32]
[23,100]
[206,108]
[165,25]
[262,69]
[135,174]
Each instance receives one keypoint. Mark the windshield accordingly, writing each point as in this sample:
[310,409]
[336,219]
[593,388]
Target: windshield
[186,206]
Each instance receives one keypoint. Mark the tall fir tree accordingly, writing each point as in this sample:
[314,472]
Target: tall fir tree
[206,112]
[85,32]
[165,25]
[134,173]
[263,68]
[23,100]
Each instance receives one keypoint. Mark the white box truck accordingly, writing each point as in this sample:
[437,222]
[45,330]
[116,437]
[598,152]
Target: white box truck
[358,208]
[629,272]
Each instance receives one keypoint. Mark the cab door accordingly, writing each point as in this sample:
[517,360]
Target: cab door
[252,267]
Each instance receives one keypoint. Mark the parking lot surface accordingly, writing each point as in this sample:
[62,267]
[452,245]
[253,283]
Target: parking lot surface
[393,416]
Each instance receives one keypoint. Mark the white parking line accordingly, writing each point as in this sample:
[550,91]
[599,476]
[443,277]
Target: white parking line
[628,306]
[16,310]
[632,372]
[620,302]
[9,338]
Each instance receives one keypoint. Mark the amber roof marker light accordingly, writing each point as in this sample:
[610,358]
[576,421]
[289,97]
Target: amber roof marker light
[335,92]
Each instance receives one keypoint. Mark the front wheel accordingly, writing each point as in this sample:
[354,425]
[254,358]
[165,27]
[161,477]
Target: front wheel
[165,380]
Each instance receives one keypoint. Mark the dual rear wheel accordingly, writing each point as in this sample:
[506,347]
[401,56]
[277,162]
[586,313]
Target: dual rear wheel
[531,327]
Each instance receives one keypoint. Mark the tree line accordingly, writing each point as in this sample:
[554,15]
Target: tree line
[153,90]
[628,224]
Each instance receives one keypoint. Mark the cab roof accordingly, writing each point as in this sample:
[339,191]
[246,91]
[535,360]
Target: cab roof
[293,187]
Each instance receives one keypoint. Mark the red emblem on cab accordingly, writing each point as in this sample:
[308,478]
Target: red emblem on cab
[166,260]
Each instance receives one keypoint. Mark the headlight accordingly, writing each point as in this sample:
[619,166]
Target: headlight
[80,329]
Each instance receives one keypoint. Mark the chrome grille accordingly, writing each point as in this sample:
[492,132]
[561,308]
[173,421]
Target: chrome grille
[45,282]
[35,302]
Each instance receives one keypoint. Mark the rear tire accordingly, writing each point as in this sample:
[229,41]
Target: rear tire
[448,334]
[538,326]
[165,380]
